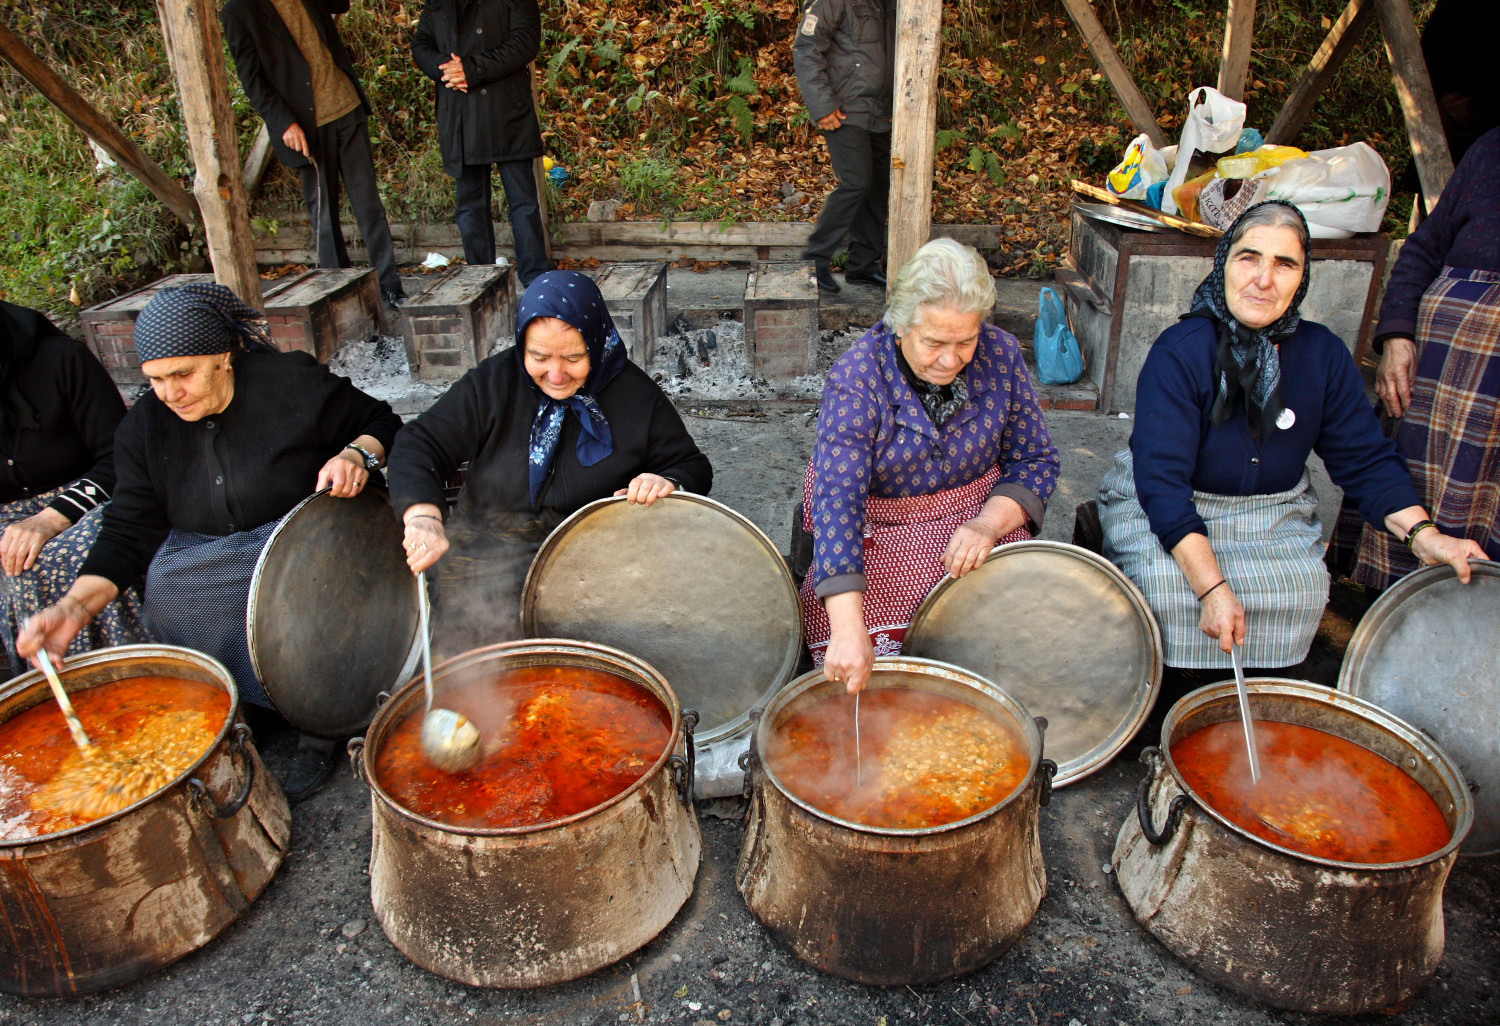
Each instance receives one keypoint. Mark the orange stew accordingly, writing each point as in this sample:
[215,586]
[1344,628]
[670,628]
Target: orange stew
[1318,794]
[557,740]
[149,729]
[925,759]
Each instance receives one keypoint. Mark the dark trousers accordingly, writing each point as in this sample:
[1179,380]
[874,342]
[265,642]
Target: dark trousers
[341,149]
[857,208]
[471,211]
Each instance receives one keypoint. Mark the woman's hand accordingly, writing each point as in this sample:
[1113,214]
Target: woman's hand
[1432,546]
[647,488]
[56,626]
[850,656]
[22,541]
[425,540]
[973,540]
[344,475]
[1397,370]
[1223,618]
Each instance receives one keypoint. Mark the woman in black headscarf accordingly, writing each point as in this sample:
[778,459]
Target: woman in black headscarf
[547,427]
[231,437]
[1211,511]
[58,413]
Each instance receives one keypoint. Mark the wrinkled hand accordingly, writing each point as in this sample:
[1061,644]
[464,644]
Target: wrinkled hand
[453,73]
[55,628]
[295,140]
[968,547]
[647,488]
[1432,546]
[832,121]
[345,475]
[22,541]
[850,658]
[426,541]
[1223,618]
[1393,378]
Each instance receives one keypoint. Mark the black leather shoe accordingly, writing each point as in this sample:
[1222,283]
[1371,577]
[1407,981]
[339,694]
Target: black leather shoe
[874,277]
[394,299]
[826,282]
[308,770]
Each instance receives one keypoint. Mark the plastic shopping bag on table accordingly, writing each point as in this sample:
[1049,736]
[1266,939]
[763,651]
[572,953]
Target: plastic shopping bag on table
[1340,191]
[1185,196]
[1212,128]
[1140,168]
[1059,361]
[1223,200]
[1253,162]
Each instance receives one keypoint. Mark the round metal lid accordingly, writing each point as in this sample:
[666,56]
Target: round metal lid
[688,585]
[1427,652]
[332,617]
[1060,629]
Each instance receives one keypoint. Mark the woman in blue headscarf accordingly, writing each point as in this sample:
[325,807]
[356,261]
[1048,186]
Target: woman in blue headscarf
[558,421]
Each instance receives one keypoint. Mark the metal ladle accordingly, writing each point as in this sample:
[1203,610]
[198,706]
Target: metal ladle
[74,726]
[1239,684]
[449,740]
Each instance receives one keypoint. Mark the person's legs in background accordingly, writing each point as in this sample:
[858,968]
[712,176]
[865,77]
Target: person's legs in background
[356,165]
[322,208]
[471,212]
[850,150]
[519,180]
[867,232]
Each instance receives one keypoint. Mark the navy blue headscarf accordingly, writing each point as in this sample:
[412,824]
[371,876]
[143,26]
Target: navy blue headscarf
[199,320]
[574,298]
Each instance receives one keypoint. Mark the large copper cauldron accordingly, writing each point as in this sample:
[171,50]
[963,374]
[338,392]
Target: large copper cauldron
[535,905]
[103,904]
[892,906]
[1285,928]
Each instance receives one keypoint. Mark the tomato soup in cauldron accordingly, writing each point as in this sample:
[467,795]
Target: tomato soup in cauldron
[557,741]
[1319,794]
[925,759]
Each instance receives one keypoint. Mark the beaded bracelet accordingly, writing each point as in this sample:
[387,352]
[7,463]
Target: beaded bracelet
[1418,526]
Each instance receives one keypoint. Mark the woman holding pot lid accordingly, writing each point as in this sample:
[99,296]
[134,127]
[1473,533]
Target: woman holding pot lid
[556,422]
[931,450]
[1211,511]
[231,437]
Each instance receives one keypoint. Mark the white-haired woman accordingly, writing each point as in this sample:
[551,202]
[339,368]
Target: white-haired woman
[931,450]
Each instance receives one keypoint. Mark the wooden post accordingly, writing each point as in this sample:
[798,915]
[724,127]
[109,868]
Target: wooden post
[198,43]
[1320,71]
[539,172]
[87,119]
[1239,32]
[919,40]
[257,160]
[1429,147]
[1136,107]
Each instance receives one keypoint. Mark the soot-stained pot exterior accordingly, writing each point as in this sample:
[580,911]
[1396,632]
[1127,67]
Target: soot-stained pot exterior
[893,907]
[1283,928]
[98,906]
[533,906]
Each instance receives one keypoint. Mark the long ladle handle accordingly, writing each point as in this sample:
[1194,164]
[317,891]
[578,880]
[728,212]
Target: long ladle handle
[426,640]
[1244,696]
[74,727]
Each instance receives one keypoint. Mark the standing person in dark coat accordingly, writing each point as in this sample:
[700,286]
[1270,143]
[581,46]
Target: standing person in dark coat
[479,52]
[296,72]
[844,53]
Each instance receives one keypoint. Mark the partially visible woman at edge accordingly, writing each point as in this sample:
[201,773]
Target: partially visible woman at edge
[232,436]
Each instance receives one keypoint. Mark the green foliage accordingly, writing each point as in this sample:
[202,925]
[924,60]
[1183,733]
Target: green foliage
[986,161]
[651,182]
[744,81]
[558,59]
[945,138]
[742,117]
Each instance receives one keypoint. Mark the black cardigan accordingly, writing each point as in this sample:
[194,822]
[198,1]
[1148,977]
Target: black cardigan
[233,471]
[485,418]
[58,413]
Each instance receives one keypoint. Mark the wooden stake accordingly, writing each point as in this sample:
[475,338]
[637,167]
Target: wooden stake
[1320,71]
[1136,107]
[193,28]
[919,41]
[1239,33]
[1429,147]
[539,172]
[257,161]
[87,119]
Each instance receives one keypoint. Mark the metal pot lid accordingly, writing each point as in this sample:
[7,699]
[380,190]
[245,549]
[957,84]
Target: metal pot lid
[1060,629]
[1427,652]
[332,617]
[688,585]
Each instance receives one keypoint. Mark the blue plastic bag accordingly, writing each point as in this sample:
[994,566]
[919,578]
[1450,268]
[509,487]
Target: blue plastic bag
[1059,361]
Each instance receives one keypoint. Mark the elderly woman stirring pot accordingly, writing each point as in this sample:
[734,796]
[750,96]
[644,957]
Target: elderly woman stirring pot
[931,450]
[1211,510]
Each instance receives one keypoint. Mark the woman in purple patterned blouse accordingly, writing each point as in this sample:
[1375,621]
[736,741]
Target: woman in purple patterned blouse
[931,450]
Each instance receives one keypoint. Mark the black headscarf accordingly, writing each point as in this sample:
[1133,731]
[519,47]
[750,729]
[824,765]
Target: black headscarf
[1247,367]
[199,320]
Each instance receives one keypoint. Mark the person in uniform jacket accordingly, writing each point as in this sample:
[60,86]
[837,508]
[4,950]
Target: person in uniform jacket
[843,53]
[479,53]
[298,75]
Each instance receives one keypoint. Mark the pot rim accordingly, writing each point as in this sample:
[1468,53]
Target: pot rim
[1316,693]
[814,680]
[101,657]
[587,653]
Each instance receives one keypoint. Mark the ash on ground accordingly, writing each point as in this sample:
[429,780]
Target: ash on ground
[710,363]
[378,368]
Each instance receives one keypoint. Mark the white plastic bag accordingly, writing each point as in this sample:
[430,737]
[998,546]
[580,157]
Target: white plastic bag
[1140,168]
[1212,129]
[1340,191]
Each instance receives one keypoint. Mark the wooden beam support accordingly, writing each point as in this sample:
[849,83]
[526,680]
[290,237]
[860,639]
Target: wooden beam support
[257,161]
[87,119]
[1429,146]
[919,41]
[198,43]
[538,172]
[1320,71]
[1105,55]
[1239,33]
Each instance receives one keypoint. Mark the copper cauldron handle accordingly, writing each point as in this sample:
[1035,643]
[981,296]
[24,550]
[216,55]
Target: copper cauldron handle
[1046,768]
[1151,756]
[749,760]
[356,750]
[685,768]
[198,796]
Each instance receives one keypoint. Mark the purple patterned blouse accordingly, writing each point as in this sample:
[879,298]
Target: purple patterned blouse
[874,438]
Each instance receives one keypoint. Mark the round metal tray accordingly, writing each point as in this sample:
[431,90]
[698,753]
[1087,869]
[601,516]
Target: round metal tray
[332,617]
[1428,652]
[688,585]
[1060,629]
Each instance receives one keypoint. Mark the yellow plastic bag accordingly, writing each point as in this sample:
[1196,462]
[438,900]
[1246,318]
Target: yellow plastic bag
[1186,194]
[1248,165]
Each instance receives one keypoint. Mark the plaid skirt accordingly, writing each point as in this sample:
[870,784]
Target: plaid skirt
[50,577]
[904,541]
[1269,548]
[1450,435]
